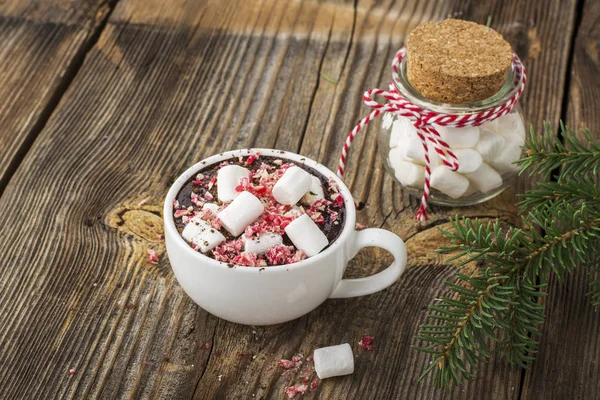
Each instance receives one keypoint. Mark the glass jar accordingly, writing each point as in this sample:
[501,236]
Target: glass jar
[485,153]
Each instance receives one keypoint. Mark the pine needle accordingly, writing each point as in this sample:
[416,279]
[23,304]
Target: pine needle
[498,308]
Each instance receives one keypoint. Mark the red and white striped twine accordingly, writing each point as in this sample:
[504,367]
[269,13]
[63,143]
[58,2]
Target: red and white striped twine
[424,121]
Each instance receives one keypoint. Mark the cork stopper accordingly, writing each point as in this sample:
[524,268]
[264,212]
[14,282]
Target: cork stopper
[457,61]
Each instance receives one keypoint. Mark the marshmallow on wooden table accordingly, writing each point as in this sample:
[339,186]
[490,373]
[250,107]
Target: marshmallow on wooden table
[242,211]
[407,173]
[202,234]
[490,145]
[485,178]
[459,138]
[450,183]
[306,235]
[316,190]
[468,160]
[263,243]
[228,178]
[214,208]
[511,152]
[294,183]
[334,361]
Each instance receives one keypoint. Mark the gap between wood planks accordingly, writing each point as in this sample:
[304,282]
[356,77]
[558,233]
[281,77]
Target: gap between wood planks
[563,116]
[63,85]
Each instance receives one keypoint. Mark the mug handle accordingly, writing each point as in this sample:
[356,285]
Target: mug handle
[371,284]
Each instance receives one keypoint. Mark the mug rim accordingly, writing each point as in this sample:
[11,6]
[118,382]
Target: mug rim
[169,223]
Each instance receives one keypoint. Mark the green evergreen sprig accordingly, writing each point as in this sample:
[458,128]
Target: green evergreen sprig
[498,308]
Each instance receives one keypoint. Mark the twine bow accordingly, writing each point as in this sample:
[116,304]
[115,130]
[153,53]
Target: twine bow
[425,121]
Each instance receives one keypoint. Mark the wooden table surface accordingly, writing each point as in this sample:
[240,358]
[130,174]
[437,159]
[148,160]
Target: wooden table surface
[104,102]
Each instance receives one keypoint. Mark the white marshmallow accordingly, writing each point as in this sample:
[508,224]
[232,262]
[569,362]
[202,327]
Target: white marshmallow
[490,145]
[290,188]
[468,160]
[511,152]
[334,361]
[316,190]
[459,138]
[201,234]
[434,158]
[492,126]
[407,173]
[388,119]
[214,208]
[411,147]
[511,124]
[449,182]
[401,127]
[242,211]
[228,178]
[263,243]
[485,178]
[306,235]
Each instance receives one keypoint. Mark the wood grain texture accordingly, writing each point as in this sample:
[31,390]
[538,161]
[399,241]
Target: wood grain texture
[42,44]
[570,343]
[168,84]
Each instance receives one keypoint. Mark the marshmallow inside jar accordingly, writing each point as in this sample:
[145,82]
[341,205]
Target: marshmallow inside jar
[462,76]
[273,212]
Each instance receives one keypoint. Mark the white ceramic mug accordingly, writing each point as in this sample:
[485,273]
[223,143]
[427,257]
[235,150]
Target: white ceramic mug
[272,295]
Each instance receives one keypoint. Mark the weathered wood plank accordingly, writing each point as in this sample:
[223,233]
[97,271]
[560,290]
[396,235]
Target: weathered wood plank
[166,85]
[570,342]
[42,45]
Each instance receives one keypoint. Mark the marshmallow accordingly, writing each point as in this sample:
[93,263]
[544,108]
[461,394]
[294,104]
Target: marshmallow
[242,211]
[263,243]
[434,158]
[203,235]
[290,188]
[468,160]
[410,145]
[492,126]
[511,124]
[459,138]
[316,190]
[511,152]
[400,128]
[334,361]
[407,173]
[228,178]
[485,178]
[388,120]
[490,145]
[214,208]
[449,182]
[306,235]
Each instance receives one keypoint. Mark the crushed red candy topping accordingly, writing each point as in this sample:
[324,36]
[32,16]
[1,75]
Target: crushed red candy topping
[263,176]
[298,388]
[287,364]
[366,341]
[313,384]
[152,257]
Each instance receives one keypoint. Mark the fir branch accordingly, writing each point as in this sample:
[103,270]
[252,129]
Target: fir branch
[568,191]
[498,308]
[546,153]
